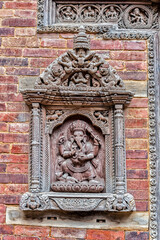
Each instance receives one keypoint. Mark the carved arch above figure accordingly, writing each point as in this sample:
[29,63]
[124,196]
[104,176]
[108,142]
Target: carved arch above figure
[80,68]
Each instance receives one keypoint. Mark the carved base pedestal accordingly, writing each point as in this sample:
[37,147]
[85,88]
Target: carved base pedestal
[80,202]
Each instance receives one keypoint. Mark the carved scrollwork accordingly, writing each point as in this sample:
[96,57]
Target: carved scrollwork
[70,204]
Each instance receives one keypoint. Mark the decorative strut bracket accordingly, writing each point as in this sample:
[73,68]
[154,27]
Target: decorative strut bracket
[77,160]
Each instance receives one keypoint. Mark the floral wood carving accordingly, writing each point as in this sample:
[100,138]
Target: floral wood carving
[77,134]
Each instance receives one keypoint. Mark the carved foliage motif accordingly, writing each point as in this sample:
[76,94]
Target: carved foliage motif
[80,68]
[126,16]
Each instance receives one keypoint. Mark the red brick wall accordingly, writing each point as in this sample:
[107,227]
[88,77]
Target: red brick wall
[25,53]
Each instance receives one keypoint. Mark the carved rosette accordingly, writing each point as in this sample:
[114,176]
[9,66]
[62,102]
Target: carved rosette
[77,131]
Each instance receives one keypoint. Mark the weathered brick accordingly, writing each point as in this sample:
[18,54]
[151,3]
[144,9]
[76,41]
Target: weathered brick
[14,158]
[133,174]
[8,79]
[11,52]
[139,103]
[19,127]
[17,168]
[2,208]
[4,148]
[19,149]
[140,194]
[41,63]
[13,178]
[54,43]
[14,137]
[2,167]
[11,97]
[32,231]
[137,184]
[6,32]
[136,113]
[19,22]
[19,238]
[25,13]
[14,117]
[21,5]
[139,154]
[17,107]
[8,89]
[15,189]
[134,66]
[136,123]
[104,235]
[23,71]
[129,56]
[141,206]
[106,44]
[68,233]
[66,35]
[2,70]
[25,32]
[3,127]
[6,13]
[118,65]
[40,53]
[13,62]
[135,45]
[136,236]
[6,229]
[1,5]
[33,42]
[2,218]
[136,133]
[9,199]
[138,76]
[14,42]
[136,144]
[136,164]
[2,105]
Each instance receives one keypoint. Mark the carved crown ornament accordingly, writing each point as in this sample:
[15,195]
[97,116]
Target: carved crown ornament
[77,147]
[62,16]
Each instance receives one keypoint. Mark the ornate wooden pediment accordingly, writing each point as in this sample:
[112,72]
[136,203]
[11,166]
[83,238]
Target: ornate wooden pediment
[77,160]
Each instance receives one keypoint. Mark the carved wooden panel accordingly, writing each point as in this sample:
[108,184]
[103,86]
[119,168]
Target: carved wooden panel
[77,160]
[67,16]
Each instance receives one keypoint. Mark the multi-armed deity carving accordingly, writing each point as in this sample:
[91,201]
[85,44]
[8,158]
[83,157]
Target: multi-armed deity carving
[79,167]
[77,134]
[80,68]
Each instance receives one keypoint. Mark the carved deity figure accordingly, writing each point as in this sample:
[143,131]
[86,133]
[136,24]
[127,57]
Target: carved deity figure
[78,155]
[137,17]
[89,13]
[67,14]
[111,13]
